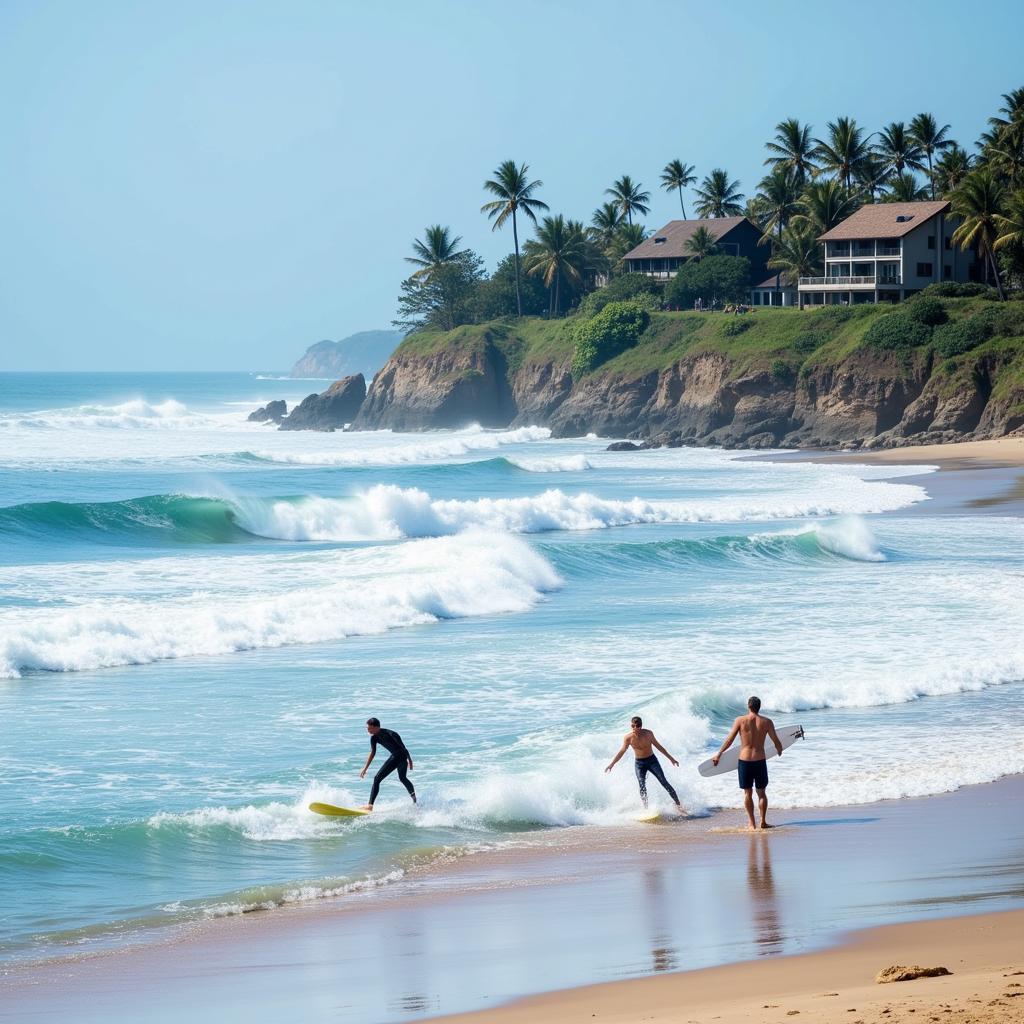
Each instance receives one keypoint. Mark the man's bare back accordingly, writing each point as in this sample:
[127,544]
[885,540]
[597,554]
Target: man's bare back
[753,729]
[642,742]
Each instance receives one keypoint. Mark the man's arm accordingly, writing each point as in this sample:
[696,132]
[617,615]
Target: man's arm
[733,733]
[654,742]
[775,736]
[408,758]
[615,759]
[373,754]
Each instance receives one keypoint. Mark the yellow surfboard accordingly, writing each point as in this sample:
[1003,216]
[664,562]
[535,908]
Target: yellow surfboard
[648,816]
[336,812]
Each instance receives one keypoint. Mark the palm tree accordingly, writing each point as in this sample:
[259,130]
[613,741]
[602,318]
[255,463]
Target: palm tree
[869,175]
[629,197]
[1011,223]
[701,243]
[1006,154]
[678,175]
[926,133]
[777,201]
[1012,108]
[978,202]
[606,222]
[718,196]
[904,188]
[953,166]
[844,149]
[797,253]
[793,150]
[437,250]
[823,205]
[898,149]
[515,192]
[556,254]
[627,238]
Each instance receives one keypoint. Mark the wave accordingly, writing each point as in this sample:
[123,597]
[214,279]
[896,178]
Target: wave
[388,512]
[555,464]
[413,584]
[134,414]
[400,452]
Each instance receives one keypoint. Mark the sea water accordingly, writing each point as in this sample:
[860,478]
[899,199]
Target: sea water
[198,614]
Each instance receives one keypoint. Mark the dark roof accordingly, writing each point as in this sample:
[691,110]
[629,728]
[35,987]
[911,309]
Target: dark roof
[881,220]
[769,282]
[676,233]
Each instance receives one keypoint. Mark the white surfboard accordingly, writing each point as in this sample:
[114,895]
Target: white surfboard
[789,734]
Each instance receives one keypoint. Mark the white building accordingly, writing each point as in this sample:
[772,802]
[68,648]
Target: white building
[887,252]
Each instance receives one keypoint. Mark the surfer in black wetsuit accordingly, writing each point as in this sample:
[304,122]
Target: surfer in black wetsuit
[399,759]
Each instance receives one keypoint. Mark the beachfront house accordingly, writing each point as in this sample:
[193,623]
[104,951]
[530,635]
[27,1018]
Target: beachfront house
[887,252]
[661,255]
[774,290]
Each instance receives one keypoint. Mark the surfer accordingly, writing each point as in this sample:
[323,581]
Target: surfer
[643,742]
[753,729]
[399,759]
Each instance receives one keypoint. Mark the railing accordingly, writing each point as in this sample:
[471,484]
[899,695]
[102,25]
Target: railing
[862,252]
[837,254]
[888,250]
[828,281]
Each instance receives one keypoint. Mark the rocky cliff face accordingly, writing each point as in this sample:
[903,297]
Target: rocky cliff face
[330,410]
[365,353]
[870,398]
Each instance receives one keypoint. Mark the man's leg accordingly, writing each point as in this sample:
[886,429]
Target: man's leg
[748,805]
[659,773]
[403,767]
[641,778]
[385,770]
[762,806]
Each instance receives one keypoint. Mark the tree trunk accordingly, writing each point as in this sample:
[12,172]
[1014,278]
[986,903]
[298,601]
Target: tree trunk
[558,293]
[995,271]
[931,175]
[681,206]
[515,239]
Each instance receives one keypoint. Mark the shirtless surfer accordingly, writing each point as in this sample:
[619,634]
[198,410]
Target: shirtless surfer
[643,742]
[753,729]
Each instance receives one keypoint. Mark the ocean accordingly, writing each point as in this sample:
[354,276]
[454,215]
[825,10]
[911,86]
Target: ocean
[198,614]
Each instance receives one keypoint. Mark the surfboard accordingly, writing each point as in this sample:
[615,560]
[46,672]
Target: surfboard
[648,816]
[789,734]
[336,812]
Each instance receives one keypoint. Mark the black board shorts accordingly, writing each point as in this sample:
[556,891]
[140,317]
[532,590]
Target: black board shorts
[753,774]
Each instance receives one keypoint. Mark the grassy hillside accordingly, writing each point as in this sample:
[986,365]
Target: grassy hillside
[780,341]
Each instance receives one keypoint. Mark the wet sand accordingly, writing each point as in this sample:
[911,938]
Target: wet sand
[568,908]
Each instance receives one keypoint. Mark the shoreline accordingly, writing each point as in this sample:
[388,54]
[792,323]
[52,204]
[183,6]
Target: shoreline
[560,912]
[982,953]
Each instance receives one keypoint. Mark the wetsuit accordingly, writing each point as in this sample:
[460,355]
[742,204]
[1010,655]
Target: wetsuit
[653,765]
[398,760]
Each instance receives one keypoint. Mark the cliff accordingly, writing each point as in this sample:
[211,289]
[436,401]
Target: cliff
[772,377]
[365,353]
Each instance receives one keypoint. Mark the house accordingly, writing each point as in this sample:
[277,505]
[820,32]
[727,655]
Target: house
[887,252]
[661,255]
[774,290]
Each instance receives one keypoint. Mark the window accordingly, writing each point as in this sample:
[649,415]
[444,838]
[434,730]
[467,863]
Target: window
[949,243]
[757,298]
[947,273]
[931,241]
[924,270]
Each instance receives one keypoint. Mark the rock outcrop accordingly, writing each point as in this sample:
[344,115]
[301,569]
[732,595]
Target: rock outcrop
[330,410]
[272,412]
[365,353]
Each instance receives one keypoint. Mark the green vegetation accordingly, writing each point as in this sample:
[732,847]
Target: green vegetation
[897,331]
[722,278]
[617,327]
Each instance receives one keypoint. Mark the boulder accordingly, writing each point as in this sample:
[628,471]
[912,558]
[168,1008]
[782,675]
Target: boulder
[272,412]
[333,408]
[622,446]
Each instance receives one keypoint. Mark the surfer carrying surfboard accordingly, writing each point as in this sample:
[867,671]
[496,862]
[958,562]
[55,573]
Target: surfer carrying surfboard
[643,742]
[400,759]
[753,729]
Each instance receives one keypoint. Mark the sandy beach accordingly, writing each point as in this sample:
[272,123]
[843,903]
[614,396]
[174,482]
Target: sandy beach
[1001,451]
[983,954]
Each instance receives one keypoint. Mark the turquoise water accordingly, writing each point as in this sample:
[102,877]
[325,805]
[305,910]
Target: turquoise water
[198,614]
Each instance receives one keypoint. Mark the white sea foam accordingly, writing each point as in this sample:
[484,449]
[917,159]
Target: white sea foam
[555,464]
[849,536]
[387,512]
[418,583]
[136,414]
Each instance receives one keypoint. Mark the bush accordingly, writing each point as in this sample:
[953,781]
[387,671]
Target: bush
[616,328]
[1001,321]
[807,341]
[957,290]
[897,331]
[781,370]
[926,310]
[735,327]
[637,287]
[721,278]
[957,338]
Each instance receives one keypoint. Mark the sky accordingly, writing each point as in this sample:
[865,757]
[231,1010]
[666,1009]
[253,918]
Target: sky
[217,185]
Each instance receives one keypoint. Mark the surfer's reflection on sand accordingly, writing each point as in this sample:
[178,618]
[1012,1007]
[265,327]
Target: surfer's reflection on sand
[761,885]
[663,955]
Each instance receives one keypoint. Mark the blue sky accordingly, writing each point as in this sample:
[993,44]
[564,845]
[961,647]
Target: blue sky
[217,185]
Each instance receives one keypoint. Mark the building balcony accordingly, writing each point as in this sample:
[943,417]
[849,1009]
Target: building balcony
[849,282]
[888,250]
